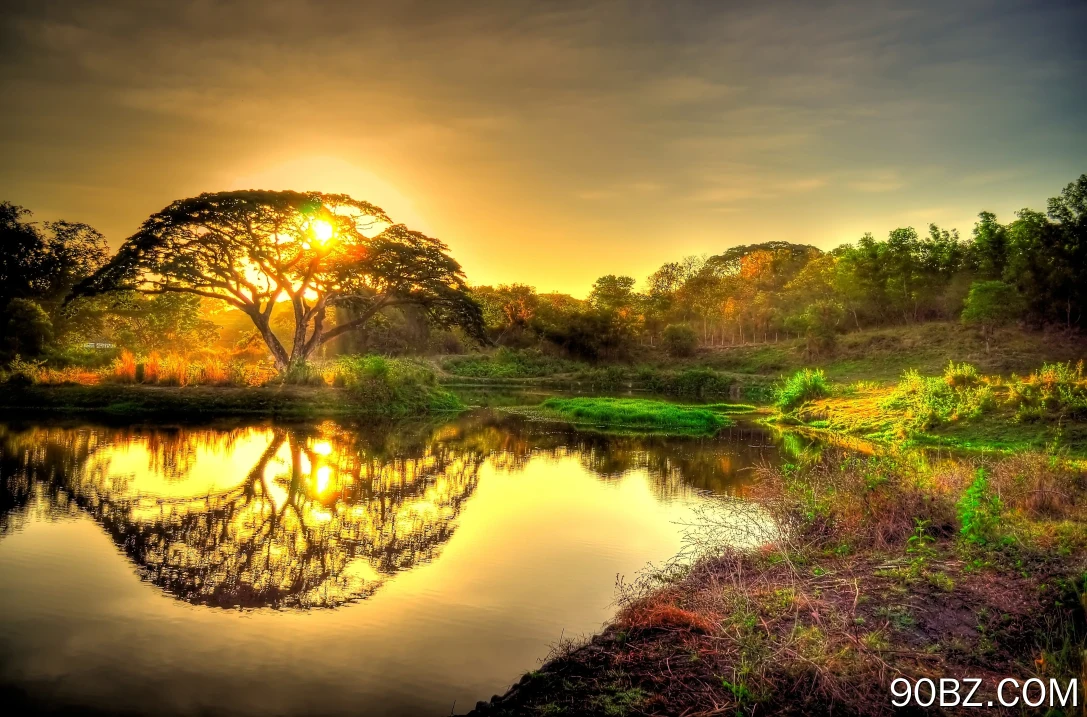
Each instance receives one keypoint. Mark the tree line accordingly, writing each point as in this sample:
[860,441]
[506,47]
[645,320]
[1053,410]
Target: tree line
[1032,269]
[306,273]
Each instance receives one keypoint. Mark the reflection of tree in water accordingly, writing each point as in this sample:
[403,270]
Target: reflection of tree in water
[323,516]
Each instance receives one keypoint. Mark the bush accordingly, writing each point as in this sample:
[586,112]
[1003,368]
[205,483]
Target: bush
[26,328]
[963,374]
[925,402]
[803,386]
[1057,388]
[680,340]
[689,383]
[401,386]
[606,378]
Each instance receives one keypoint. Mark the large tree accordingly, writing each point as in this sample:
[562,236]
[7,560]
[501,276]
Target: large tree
[303,252]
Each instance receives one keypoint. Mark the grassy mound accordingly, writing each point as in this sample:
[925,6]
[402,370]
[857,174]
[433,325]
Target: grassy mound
[640,414]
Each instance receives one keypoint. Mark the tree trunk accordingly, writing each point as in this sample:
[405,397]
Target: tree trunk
[279,355]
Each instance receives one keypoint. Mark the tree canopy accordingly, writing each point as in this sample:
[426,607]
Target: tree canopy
[306,252]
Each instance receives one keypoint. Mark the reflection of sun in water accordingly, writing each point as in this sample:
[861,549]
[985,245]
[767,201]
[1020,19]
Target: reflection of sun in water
[323,475]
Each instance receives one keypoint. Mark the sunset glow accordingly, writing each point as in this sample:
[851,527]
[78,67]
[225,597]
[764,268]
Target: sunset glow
[502,357]
[322,231]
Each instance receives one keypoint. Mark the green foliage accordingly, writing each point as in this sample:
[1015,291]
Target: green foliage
[803,386]
[979,510]
[990,304]
[25,328]
[959,375]
[688,383]
[636,413]
[680,340]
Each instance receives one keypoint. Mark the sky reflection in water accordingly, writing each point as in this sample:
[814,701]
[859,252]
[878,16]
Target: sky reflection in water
[466,547]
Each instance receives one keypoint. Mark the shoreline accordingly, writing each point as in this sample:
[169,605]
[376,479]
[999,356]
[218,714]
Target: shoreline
[143,401]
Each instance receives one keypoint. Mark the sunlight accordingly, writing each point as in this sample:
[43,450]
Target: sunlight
[322,231]
[324,474]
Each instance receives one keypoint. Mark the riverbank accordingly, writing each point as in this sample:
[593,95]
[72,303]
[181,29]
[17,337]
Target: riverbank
[887,567]
[958,408]
[284,401]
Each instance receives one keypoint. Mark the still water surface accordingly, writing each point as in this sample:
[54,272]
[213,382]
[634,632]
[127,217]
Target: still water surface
[326,568]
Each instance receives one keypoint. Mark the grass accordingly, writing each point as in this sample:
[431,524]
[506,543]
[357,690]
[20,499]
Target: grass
[963,408]
[164,386]
[640,413]
[883,354]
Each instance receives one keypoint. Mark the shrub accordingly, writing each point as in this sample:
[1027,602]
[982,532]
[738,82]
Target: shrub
[1057,388]
[303,373]
[689,383]
[174,371]
[400,386]
[26,327]
[605,378]
[925,402]
[963,374]
[680,340]
[152,368]
[803,386]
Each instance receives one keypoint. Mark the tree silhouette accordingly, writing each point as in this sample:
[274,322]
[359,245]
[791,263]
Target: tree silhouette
[306,251]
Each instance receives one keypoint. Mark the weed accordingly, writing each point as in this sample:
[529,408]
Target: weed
[979,510]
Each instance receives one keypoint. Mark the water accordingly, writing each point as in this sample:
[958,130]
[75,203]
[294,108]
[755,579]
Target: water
[325,568]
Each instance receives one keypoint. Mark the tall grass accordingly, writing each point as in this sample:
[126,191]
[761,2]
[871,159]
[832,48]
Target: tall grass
[636,413]
[154,369]
[803,386]
[124,368]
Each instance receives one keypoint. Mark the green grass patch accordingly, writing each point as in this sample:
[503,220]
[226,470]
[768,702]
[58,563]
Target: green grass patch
[638,413]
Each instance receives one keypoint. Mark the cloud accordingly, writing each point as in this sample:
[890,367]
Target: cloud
[877,182]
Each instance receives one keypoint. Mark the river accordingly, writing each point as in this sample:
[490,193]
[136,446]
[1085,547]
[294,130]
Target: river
[326,567]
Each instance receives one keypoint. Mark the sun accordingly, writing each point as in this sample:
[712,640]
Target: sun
[322,230]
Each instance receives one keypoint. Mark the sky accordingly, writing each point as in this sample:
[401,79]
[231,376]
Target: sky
[550,143]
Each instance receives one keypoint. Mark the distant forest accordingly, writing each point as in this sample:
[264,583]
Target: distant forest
[1031,270]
